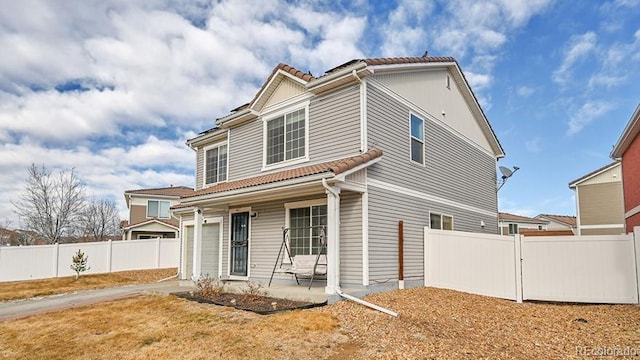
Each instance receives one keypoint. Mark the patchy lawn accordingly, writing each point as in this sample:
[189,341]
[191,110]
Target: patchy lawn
[27,289]
[433,323]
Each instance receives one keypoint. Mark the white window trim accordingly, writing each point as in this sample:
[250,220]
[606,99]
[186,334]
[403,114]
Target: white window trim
[275,114]
[297,205]
[236,277]
[204,160]
[441,216]
[411,113]
[157,217]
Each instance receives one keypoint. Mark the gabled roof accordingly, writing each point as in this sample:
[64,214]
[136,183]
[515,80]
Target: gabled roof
[503,216]
[594,173]
[343,74]
[629,134]
[175,191]
[569,220]
[330,167]
[150,221]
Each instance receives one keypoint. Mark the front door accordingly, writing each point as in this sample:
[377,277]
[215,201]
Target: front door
[239,243]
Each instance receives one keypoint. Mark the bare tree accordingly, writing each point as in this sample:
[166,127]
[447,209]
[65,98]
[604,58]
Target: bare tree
[50,204]
[100,219]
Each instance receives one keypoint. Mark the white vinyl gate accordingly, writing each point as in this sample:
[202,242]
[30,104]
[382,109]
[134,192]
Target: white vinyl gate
[592,269]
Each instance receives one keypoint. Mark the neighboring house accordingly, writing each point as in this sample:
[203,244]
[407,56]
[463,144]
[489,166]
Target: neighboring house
[599,201]
[368,144]
[560,222]
[509,224]
[9,237]
[149,215]
[627,150]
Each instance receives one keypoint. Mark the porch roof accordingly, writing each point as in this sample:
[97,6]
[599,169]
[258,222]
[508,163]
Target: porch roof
[334,167]
[150,221]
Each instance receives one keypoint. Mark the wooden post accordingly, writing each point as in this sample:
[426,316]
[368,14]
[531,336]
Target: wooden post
[400,254]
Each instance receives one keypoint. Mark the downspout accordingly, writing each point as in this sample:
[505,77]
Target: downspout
[366,303]
[337,282]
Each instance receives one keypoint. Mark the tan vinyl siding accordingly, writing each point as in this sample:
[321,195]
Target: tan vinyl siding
[601,204]
[334,125]
[454,169]
[266,237]
[428,90]
[137,213]
[351,238]
[199,169]
[334,132]
[611,231]
[245,150]
[286,90]
[386,208]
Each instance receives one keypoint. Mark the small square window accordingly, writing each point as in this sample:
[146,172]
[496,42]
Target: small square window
[440,222]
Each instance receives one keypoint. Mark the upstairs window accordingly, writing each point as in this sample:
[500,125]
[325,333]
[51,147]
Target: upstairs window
[440,222]
[158,209]
[513,229]
[286,137]
[215,164]
[417,139]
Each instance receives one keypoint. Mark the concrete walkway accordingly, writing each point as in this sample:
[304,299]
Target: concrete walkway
[23,308]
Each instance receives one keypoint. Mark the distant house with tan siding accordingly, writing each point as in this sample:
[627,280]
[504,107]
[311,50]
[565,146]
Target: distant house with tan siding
[509,224]
[149,215]
[560,222]
[599,201]
[627,150]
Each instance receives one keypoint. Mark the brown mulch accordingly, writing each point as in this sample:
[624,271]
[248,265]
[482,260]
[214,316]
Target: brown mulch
[256,303]
[437,323]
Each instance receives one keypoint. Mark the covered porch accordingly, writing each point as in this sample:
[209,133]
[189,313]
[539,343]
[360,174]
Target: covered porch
[234,230]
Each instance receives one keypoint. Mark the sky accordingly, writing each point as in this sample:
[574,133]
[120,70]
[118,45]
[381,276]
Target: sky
[113,89]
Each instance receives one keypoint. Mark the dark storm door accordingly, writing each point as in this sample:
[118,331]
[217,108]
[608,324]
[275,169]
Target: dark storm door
[239,243]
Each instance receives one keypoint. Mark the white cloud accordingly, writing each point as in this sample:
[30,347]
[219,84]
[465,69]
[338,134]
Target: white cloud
[579,48]
[589,112]
[533,145]
[525,91]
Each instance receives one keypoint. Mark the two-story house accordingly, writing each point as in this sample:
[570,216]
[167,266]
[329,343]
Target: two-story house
[149,215]
[627,151]
[370,143]
[599,201]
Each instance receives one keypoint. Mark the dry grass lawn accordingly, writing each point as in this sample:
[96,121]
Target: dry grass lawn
[28,289]
[433,323]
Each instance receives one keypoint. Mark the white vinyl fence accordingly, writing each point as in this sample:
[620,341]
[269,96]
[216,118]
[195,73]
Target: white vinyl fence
[593,269]
[47,261]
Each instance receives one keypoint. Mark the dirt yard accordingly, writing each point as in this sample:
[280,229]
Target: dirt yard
[433,323]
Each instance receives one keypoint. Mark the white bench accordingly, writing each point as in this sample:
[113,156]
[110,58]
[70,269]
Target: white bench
[302,265]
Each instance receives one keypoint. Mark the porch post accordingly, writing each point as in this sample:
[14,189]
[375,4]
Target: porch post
[333,240]
[197,243]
